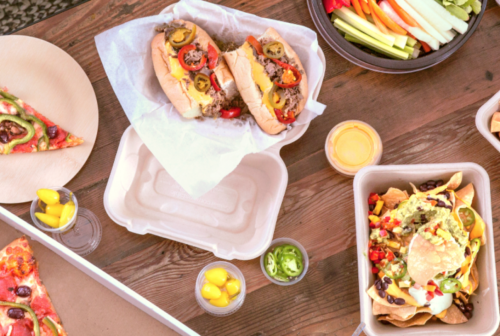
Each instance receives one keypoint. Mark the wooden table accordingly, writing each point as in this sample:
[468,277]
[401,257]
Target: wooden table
[427,117]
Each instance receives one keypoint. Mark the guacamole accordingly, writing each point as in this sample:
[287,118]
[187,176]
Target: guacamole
[422,215]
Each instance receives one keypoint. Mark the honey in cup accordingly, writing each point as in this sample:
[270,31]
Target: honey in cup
[352,145]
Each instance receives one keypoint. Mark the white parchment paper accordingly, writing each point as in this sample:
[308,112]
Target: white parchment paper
[198,154]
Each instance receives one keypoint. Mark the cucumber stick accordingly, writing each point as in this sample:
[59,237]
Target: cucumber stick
[366,27]
[369,41]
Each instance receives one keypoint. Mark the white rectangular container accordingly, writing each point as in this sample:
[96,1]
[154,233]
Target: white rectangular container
[483,120]
[95,273]
[378,179]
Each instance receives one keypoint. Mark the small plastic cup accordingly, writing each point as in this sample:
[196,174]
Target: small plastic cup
[64,198]
[305,257]
[352,145]
[235,273]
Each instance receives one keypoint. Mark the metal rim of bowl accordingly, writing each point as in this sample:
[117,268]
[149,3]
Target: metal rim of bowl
[385,65]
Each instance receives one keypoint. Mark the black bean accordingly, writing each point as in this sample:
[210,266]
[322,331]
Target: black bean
[4,137]
[467,251]
[388,280]
[381,293]
[458,270]
[447,195]
[427,304]
[399,301]
[441,204]
[439,183]
[431,183]
[371,207]
[469,307]
[396,206]
[52,132]
[390,299]
[396,254]
[385,285]
[23,291]
[378,286]
[378,281]
[15,313]
[461,307]
[468,315]
[422,187]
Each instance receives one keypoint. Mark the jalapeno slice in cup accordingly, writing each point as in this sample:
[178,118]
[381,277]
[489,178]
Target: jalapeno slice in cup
[450,285]
[395,269]
[181,37]
[467,216]
[278,252]
[202,82]
[270,264]
[281,276]
[291,265]
[274,49]
[290,249]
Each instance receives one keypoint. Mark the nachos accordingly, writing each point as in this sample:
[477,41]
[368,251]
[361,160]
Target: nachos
[423,248]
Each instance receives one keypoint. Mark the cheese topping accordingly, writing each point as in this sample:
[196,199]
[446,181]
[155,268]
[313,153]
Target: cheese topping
[183,75]
[260,77]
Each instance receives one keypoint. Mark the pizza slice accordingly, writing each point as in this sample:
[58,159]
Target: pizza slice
[24,130]
[25,306]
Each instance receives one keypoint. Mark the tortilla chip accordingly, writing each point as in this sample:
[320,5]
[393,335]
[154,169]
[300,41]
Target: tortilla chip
[402,313]
[454,316]
[455,181]
[415,189]
[495,122]
[474,278]
[373,293]
[393,196]
[453,201]
[418,319]
[425,260]
[462,297]
[466,194]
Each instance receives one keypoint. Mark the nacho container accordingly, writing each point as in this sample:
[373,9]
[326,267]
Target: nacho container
[235,220]
[483,120]
[88,300]
[378,179]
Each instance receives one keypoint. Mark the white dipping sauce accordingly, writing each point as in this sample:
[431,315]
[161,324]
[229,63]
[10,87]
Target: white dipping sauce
[437,304]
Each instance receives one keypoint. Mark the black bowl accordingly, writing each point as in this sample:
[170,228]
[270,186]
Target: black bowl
[380,64]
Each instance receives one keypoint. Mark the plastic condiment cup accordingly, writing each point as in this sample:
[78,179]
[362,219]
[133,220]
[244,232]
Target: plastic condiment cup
[235,304]
[64,198]
[352,145]
[305,260]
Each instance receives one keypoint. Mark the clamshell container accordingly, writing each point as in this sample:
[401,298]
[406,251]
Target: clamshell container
[235,220]
[378,179]
[483,120]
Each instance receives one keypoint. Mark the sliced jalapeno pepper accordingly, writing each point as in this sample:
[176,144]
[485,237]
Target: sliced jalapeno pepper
[202,82]
[290,249]
[36,326]
[291,265]
[281,276]
[274,49]
[475,244]
[272,100]
[395,269]
[278,252]
[467,216]
[270,264]
[181,37]
[23,123]
[450,285]
[51,324]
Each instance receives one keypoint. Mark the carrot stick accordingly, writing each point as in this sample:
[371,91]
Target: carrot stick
[385,19]
[365,6]
[402,14]
[377,21]
[425,46]
[358,9]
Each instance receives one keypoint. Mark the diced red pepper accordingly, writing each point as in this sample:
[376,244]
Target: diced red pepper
[438,292]
[387,218]
[331,5]
[374,255]
[296,74]
[370,213]
[373,198]
[429,296]
[383,233]
[375,270]
[381,255]
[397,222]
[213,57]
[390,255]
[190,67]
[375,225]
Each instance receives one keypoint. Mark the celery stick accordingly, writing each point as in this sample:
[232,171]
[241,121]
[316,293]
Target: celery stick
[457,24]
[400,41]
[411,42]
[370,41]
[366,27]
[352,39]
[430,15]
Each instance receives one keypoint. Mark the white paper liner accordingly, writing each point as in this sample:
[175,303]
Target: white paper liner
[198,154]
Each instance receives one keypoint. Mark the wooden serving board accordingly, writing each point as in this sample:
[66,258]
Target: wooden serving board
[54,84]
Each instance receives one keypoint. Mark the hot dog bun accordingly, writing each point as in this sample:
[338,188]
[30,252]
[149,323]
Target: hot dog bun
[241,67]
[174,88]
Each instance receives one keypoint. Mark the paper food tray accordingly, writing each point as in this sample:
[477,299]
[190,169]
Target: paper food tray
[378,179]
[483,120]
[89,301]
[235,220]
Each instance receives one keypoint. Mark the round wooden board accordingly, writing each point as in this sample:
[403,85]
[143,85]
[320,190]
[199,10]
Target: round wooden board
[54,84]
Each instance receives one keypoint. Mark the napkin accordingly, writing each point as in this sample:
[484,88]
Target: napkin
[198,154]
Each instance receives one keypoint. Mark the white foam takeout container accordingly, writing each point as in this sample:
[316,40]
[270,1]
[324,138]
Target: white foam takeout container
[95,273]
[235,220]
[378,179]
[483,120]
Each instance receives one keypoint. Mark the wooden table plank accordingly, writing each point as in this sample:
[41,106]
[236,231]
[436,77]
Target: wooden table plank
[427,117]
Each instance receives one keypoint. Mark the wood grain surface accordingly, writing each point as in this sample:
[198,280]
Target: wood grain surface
[426,117]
